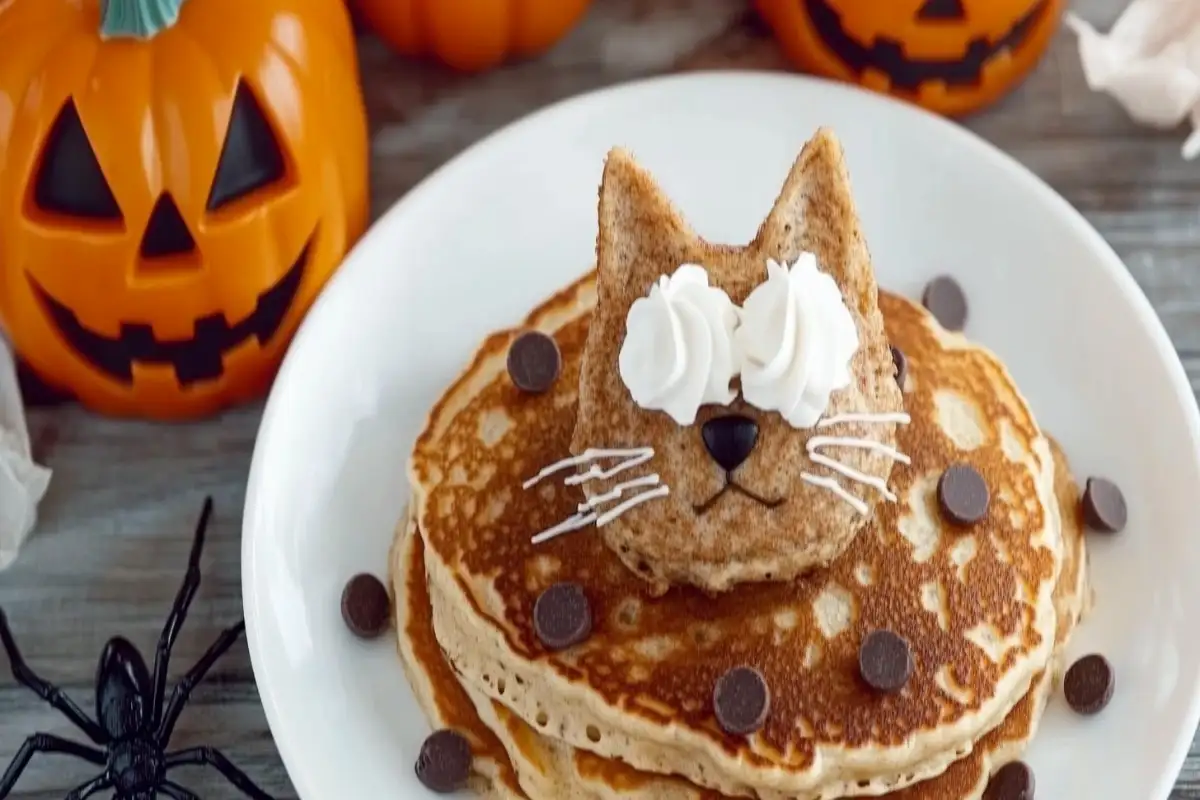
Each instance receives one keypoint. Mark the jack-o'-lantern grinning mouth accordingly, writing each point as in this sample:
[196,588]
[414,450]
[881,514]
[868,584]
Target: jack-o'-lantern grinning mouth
[907,73]
[196,359]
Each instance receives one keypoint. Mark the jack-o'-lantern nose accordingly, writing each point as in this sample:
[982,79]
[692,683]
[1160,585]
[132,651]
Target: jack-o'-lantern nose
[166,232]
[942,9]
[729,439]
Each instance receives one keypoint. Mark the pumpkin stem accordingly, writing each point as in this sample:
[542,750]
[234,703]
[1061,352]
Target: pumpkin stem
[137,19]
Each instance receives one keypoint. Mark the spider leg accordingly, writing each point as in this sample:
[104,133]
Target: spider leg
[98,784]
[47,691]
[45,743]
[179,611]
[214,758]
[183,691]
[176,792]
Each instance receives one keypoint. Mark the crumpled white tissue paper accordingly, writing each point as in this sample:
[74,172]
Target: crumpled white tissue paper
[1149,62]
[22,482]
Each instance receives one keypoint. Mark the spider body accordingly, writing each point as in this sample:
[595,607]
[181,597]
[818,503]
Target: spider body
[134,719]
[122,681]
[137,766]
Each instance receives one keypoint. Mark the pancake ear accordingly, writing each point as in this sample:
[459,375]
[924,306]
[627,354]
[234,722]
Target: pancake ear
[641,235]
[815,212]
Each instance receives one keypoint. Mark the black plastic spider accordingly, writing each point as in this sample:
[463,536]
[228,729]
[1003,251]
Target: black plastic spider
[134,728]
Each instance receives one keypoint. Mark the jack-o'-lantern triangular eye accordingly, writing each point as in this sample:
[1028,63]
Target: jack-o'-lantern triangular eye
[251,157]
[69,179]
[942,9]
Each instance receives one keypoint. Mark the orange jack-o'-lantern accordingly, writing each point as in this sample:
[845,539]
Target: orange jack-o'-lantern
[177,182]
[951,56]
[472,35]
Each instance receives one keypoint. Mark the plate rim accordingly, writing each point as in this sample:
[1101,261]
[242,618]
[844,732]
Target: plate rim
[981,148]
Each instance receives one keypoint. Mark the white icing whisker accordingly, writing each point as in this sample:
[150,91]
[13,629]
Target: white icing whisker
[891,416]
[636,500]
[583,517]
[862,444]
[591,454]
[853,474]
[571,523]
[617,491]
[596,473]
[836,488]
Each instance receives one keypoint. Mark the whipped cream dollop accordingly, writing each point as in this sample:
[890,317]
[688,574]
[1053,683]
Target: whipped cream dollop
[795,342]
[678,351]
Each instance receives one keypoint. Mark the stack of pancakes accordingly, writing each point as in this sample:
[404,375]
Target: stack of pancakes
[626,707]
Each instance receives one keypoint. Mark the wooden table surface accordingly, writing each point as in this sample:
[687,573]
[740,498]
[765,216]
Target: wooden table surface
[117,521]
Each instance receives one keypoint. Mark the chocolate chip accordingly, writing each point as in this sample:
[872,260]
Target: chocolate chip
[534,362]
[962,494]
[901,362]
[366,607]
[741,701]
[1013,781]
[885,661]
[1104,506]
[562,616]
[1089,684]
[444,763]
[945,300]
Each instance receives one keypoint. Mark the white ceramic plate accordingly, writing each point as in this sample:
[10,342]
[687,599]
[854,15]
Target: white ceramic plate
[512,219]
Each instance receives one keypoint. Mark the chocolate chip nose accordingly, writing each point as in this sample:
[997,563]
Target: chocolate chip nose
[730,439]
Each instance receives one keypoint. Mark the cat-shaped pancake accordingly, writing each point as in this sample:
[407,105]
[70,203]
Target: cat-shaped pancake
[739,494]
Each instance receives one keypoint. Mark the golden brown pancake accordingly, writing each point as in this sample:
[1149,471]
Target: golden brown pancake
[975,604]
[786,525]
[555,771]
[438,692]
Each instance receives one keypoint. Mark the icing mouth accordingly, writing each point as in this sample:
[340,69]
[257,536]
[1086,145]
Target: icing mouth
[887,55]
[195,359]
[736,488]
